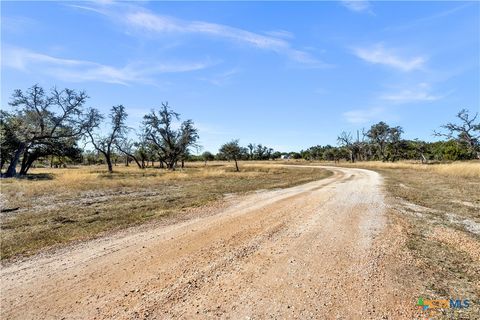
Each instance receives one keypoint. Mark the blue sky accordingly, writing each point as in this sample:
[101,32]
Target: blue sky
[286,74]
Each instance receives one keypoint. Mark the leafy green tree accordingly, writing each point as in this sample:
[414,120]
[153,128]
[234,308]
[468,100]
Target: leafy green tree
[9,141]
[207,156]
[251,147]
[61,148]
[379,134]
[276,155]
[143,152]
[295,155]
[396,144]
[232,151]
[41,119]
[105,144]
[91,157]
[450,150]
[172,144]
[330,153]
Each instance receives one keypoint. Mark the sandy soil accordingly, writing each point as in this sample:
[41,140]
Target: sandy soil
[319,250]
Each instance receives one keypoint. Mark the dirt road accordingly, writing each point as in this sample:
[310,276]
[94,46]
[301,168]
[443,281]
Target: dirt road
[311,251]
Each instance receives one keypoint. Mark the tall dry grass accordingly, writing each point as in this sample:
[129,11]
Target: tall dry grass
[458,169]
[83,178]
[464,169]
[438,206]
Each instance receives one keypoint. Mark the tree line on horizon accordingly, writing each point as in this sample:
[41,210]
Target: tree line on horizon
[385,143]
[50,127]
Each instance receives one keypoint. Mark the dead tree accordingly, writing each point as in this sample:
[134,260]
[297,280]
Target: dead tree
[468,131]
[346,140]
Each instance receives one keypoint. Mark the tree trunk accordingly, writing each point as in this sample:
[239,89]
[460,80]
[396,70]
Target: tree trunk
[236,165]
[12,168]
[26,156]
[26,164]
[183,164]
[28,160]
[141,166]
[29,163]
[424,160]
[109,163]
[171,165]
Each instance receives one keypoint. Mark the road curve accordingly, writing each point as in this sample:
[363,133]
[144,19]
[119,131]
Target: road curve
[301,252]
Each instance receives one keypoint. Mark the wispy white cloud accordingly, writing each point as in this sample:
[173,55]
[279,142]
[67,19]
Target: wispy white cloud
[21,59]
[378,54]
[156,23]
[419,93]
[104,2]
[429,19]
[88,8]
[222,78]
[151,22]
[280,34]
[138,18]
[81,70]
[362,116]
[357,5]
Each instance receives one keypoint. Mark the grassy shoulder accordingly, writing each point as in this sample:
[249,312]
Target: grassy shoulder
[57,206]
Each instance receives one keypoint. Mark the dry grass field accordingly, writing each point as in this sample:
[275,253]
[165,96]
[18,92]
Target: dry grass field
[468,169]
[56,206]
[439,207]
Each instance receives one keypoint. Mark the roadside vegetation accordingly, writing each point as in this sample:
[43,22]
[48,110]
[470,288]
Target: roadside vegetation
[57,206]
[457,169]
